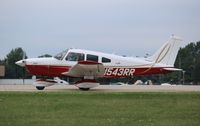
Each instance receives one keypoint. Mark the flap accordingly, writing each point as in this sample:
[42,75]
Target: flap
[86,68]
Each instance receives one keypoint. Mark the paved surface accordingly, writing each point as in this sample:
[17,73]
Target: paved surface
[106,88]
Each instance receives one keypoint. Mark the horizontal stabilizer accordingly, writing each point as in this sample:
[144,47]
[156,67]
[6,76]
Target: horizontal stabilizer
[172,69]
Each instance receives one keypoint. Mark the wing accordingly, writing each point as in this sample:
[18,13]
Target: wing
[86,68]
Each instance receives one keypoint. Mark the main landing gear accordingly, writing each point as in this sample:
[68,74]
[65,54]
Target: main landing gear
[86,84]
[83,85]
[40,87]
[84,89]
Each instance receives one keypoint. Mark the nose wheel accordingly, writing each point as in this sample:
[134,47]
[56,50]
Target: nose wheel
[40,84]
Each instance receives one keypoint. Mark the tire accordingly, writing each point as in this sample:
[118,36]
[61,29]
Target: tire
[40,87]
[84,89]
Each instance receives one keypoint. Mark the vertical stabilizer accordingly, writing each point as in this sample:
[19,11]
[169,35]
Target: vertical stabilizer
[168,52]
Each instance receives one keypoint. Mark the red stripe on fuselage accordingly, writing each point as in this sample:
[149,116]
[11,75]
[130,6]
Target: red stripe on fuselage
[56,71]
[154,70]
[47,70]
[125,72]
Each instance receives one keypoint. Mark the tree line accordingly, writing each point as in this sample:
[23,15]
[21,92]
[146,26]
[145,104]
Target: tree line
[188,59]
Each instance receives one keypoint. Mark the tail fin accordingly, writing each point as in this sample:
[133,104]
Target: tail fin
[168,52]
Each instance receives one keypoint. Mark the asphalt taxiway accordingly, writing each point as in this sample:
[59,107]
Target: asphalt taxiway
[107,88]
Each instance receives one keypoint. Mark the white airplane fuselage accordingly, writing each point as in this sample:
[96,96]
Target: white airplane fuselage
[92,64]
[118,67]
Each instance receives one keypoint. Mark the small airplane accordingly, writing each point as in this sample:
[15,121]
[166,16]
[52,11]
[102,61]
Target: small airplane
[90,65]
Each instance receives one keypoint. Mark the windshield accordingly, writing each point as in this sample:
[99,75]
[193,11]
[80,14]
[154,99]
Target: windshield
[72,56]
[61,55]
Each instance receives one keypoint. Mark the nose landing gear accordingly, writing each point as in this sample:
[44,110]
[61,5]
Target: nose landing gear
[42,83]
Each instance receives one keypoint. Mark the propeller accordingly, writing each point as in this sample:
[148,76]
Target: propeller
[24,56]
[23,61]
[24,69]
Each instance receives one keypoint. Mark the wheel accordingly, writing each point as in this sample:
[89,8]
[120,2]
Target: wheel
[84,89]
[40,87]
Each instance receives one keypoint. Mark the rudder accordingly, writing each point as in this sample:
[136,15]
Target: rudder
[168,52]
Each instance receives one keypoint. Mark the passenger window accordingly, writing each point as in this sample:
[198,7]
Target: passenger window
[75,56]
[92,57]
[105,60]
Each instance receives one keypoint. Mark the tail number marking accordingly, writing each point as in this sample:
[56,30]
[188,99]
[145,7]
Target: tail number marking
[119,72]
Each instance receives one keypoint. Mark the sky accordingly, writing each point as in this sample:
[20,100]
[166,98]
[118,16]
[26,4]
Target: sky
[124,27]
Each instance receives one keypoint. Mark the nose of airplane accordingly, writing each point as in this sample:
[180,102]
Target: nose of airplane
[21,63]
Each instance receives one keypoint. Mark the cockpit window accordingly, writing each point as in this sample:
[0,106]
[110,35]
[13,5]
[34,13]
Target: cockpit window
[75,56]
[61,55]
[92,57]
[105,60]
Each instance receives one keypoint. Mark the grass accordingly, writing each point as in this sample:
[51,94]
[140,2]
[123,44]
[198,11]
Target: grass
[99,109]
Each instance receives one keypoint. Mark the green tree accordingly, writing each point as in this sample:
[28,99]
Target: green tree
[196,71]
[12,70]
[188,60]
[2,62]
